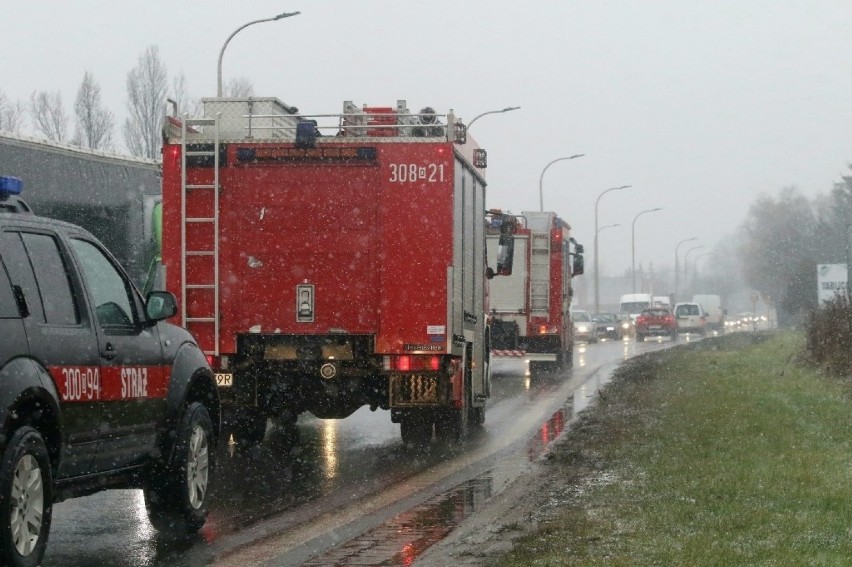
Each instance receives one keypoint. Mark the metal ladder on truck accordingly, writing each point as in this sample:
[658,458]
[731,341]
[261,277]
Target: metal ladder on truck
[540,274]
[200,281]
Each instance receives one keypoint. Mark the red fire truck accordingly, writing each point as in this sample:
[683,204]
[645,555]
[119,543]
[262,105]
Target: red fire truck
[530,309]
[331,262]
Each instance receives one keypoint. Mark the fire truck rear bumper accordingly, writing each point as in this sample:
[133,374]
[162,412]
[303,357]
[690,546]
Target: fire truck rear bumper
[540,356]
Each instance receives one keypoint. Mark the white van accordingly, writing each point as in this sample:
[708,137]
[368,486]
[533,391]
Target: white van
[712,305]
[634,303]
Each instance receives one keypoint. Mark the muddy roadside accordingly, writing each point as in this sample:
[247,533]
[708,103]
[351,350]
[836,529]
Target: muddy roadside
[523,505]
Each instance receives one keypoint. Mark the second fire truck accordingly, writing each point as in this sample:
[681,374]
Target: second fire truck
[531,308]
[331,262]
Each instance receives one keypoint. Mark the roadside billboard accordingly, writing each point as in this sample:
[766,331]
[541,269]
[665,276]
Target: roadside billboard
[831,278]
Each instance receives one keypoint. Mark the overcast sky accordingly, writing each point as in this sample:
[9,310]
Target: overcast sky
[701,108]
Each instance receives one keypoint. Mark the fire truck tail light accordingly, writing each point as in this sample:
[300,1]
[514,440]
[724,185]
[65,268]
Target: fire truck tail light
[411,363]
[217,362]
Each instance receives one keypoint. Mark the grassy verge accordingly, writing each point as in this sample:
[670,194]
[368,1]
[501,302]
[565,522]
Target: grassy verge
[724,454]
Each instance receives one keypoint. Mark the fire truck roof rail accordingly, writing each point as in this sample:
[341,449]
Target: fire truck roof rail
[269,118]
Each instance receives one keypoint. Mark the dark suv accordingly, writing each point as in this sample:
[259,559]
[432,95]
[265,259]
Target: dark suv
[97,391]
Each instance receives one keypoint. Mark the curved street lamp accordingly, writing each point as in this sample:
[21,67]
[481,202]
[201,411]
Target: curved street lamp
[686,258]
[541,178]
[604,192]
[478,116]
[633,243]
[676,265]
[695,265]
[242,27]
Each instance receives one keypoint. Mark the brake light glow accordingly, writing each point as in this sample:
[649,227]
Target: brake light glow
[411,363]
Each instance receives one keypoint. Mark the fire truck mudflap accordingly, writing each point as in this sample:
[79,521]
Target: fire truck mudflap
[326,268]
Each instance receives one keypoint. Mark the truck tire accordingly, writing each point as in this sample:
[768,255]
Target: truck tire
[536,368]
[415,430]
[285,429]
[477,416]
[26,499]
[176,493]
[246,425]
[452,426]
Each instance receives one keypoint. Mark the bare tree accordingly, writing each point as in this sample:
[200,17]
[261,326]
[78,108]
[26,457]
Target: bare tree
[779,251]
[94,122]
[146,97]
[48,115]
[11,114]
[240,87]
[180,94]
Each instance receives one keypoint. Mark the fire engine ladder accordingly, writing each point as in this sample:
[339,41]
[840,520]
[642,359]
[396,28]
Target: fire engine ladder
[540,274]
[200,282]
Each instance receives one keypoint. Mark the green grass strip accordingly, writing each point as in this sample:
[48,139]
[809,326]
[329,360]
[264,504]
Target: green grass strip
[727,453]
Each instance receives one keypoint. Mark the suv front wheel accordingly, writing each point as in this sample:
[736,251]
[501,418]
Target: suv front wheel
[26,499]
[176,493]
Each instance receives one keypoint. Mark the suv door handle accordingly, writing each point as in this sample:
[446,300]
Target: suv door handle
[108,352]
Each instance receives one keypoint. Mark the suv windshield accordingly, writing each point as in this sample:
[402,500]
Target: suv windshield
[583,316]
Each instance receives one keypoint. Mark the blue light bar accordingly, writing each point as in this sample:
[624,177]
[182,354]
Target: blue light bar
[10,185]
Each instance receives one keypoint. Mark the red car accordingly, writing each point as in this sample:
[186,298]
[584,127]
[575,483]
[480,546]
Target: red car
[656,321]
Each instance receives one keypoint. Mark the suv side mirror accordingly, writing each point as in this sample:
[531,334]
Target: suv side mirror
[160,305]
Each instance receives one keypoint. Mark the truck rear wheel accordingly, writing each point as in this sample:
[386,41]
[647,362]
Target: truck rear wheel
[247,425]
[415,430]
[477,416]
[452,426]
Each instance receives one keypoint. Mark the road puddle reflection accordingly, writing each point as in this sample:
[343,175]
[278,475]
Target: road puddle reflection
[404,538]
[547,433]
[401,540]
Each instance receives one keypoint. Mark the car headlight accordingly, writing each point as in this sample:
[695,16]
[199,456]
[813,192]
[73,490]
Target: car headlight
[582,328]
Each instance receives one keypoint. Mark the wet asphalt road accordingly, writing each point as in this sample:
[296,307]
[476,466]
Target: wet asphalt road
[282,503]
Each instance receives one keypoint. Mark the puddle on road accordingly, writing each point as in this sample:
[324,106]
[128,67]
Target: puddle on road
[401,540]
[404,538]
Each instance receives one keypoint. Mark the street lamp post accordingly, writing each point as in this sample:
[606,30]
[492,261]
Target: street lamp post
[478,116]
[541,178]
[597,292]
[236,31]
[677,266]
[633,243]
[598,231]
[686,260]
[695,266]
